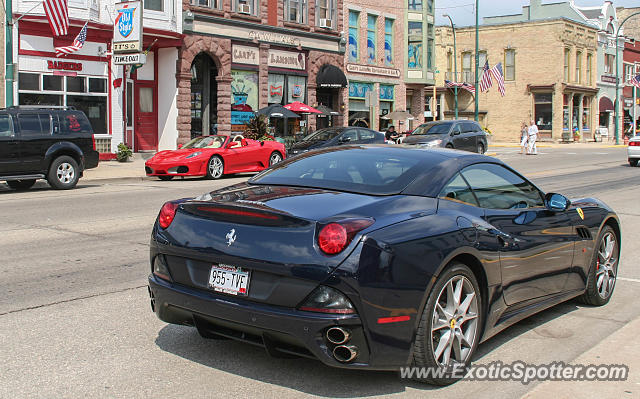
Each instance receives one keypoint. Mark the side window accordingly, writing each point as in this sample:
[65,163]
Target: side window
[468,127]
[29,124]
[367,134]
[6,126]
[458,190]
[457,128]
[496,187]
[45,123]
[351,135]
[74,122]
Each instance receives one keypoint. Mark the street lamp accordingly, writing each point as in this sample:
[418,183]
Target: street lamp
[477,62]
[617,102]
[455,65]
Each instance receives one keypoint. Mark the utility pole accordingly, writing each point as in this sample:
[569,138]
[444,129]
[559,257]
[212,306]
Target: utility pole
[617,102]
[8,50]
[455,66]
[477,62]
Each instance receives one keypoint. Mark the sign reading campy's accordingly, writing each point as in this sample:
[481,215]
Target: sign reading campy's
[287,59]
[127,28]
[245,55]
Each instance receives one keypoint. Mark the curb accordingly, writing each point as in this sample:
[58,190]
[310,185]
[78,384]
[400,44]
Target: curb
[115,179]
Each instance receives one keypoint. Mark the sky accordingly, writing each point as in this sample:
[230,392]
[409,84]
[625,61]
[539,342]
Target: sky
[463,14]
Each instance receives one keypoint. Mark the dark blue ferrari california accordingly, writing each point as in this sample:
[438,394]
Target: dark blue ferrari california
[378,257]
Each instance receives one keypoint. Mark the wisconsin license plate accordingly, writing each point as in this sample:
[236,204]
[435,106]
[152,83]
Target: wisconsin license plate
[229,279]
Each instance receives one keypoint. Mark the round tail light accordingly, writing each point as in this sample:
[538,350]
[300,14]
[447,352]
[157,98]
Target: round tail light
[167,213]
[332,238]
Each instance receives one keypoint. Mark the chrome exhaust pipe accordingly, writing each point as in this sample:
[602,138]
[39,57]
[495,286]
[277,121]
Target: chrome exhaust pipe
[345,353]
[338,335]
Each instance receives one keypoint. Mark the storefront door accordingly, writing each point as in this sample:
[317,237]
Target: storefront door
[146,117]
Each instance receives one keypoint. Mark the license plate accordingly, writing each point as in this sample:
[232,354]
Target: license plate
[229,279]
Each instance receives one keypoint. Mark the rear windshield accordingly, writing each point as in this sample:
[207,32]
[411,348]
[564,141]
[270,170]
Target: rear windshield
[374,171]
[433,128]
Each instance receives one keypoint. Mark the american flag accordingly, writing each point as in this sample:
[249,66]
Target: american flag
[497,74]
[467,86]
[58,15]
[635,81]
[77,43]
[486,82]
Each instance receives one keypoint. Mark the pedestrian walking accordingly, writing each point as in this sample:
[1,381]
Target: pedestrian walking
[533,136]
[524,136]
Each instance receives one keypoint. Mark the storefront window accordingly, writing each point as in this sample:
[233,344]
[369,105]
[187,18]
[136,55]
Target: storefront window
[386,105]
[130,104]
[29,81]
[415,46]
[358,110]
[353,36]
[388,42]
[40,99]
[586,113]
[97,85]
[95,107]
[565,112]
[75,84]
[296,88]
[543,110]
[52,83]
[244,96]
[575,114]
[371,38]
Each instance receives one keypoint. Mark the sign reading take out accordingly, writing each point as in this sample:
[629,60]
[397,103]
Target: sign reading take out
[127,27]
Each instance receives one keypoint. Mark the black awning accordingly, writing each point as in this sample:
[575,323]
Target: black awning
[331,76]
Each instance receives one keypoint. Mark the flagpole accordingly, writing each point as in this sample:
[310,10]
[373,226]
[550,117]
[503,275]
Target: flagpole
[455,66]
[477,61]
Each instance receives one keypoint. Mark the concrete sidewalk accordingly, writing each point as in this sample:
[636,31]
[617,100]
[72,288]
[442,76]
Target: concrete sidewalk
[621,348]
[545,144]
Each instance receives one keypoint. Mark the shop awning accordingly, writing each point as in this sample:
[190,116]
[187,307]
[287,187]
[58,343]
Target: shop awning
[605,104]
[331,76]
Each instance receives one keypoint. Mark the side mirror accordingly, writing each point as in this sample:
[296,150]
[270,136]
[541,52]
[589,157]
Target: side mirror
[557,202]
[179,146]
[455,133]
[344,139]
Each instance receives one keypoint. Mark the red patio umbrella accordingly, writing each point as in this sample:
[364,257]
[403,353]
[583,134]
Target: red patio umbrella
[301,108]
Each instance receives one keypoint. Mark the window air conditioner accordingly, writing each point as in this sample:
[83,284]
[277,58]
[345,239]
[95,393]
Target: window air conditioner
[325,23]
[244,8]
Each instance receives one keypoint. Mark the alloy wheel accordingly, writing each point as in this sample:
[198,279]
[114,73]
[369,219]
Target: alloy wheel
[275,158]
[65,173]
[607,265]
[215,167]
[454,322]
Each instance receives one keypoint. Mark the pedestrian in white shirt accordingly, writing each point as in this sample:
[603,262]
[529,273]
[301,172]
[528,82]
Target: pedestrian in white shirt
[533,135]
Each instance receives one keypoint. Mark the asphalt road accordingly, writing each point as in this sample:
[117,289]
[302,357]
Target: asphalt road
[75,319]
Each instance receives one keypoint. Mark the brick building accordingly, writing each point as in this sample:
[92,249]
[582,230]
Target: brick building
[374,63]
[242,55]
[551,79]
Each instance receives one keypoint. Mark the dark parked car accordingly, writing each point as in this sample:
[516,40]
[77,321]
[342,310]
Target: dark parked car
[378,257]
[333,136]
[461,135]
[55,144]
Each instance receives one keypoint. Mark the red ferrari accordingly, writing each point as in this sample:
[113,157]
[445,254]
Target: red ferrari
[214,156]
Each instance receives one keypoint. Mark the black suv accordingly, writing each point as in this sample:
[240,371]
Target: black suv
[52,143]
[458,134]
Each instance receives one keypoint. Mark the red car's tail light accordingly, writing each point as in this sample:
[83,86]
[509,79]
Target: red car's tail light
[634,144]
[327,300]
[93,141]
[336,236]
[167,213]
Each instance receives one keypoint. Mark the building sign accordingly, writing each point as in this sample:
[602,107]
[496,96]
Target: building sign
[287,59]
[64,65]
[127,27]
[271,37]
[373,70]
[608,79]
[129,59]
[245,55]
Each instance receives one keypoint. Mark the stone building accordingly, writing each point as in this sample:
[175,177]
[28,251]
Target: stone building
[242,55]
[551,79]
[632,26]
[374,63]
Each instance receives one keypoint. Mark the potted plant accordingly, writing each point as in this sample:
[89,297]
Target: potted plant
[124,153]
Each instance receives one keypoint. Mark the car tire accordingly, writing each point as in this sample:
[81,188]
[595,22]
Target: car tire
[274,158]
[480,148]
[429,350]
[165,178]
[215,167]
[633,162]
[63,173]
[21,184]
[604,268]
[449,146]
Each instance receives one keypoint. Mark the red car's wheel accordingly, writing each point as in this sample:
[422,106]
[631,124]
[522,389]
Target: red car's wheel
[275,158]
[215,167]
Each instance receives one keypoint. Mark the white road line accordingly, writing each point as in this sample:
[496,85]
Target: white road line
[633,280]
